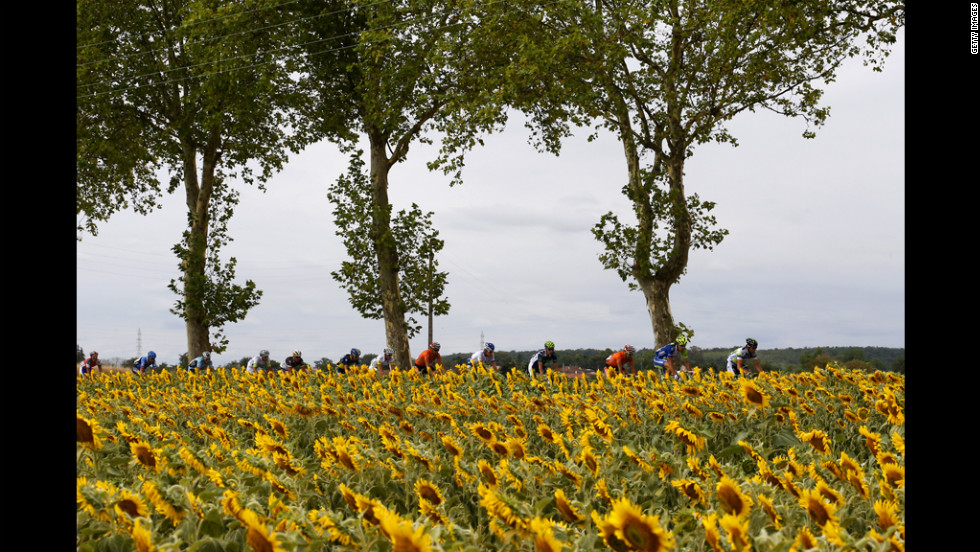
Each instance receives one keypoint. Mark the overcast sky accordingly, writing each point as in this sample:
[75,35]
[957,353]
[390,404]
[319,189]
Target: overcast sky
[815,254]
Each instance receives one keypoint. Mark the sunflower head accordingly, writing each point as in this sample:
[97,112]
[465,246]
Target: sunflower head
[638,531]
[427,491]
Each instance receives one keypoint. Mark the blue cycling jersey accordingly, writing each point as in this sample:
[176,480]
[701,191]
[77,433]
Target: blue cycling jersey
[671,350]
[200,363]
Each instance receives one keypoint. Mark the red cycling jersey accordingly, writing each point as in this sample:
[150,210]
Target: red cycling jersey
[428,358]
[618,359]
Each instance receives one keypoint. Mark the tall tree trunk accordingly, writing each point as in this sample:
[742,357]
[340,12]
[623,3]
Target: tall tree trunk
[657,295]
[194,265]
[388,260]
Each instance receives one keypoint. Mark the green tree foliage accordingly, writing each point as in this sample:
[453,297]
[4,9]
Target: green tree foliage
[194,88]
[392,74]
[414,241]
[79,353]
[666,77]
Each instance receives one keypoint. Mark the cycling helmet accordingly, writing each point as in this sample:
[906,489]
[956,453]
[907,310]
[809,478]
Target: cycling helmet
[549,344]
[94,353]
[206,355]
[751,343]
[264,354]
[151,354]
[488,347]
[629,349]
[388,351]
[434,345]
[681,340]
[297,354]
[355,352]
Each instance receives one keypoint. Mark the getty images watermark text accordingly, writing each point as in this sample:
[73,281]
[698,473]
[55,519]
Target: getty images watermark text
[974,43]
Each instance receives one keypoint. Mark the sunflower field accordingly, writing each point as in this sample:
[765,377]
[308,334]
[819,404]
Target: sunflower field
[473,460]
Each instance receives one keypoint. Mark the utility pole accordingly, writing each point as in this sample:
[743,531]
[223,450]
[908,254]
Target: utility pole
[429,288]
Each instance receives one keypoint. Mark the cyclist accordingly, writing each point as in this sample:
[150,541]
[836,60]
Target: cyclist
[542,356]
[619,359]
[201,363]
[142,364]
[350,360]
[429,358]
[294,361]
[485,356]
[383,362]
[90,363]
[737,358]
[259,362]
[664,356]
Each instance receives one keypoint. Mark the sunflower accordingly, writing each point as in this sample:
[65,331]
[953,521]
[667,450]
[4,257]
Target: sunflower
[848,464]
[637,460]
[752,394]
[258,535]
[545,432]
[544,535]
[566,508]
[516,447]
[87,432]
[894,474]
[871,439]
[278,427]
[499,448]
[731,499]
[487,473]
[499,509]
[601,428]
[482,432]
[350,497]
[710,524]
[816,439]
[369,508]
[691,390]
[770,510]
[887,511]
[160,503]
[450,445]
[691,489]
[898,442]
[804,540]
[638,531]
[829,493]
[428,492]
[145,455]
[608,532]
[737,528]
[819,510]
[591,463]
[346,454]
[131,504]
[691,440]
[432,513]
[142,537]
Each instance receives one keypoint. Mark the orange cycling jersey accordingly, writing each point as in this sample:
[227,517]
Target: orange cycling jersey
[428,358]
[619,358]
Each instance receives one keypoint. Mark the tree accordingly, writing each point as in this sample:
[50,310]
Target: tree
[420,284]
[79,353]
[666,77]
[392,73]
[194,88]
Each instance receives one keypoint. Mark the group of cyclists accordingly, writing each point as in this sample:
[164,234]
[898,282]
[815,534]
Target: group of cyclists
[671,358]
